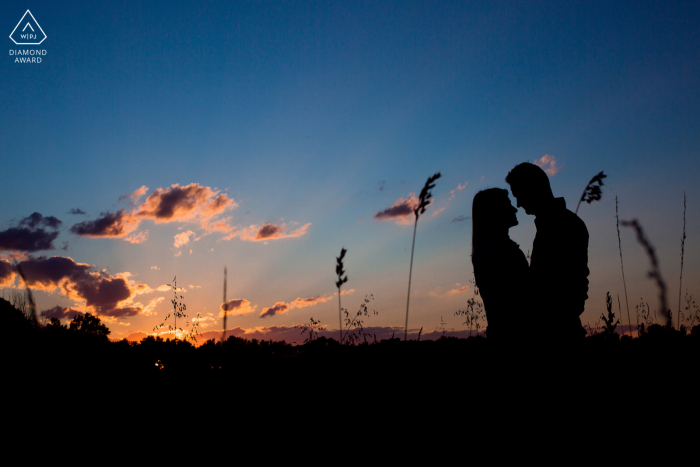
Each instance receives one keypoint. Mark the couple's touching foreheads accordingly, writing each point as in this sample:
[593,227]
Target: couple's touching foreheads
[546,296]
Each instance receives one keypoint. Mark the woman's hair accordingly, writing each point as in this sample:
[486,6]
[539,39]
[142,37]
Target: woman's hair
[486,208]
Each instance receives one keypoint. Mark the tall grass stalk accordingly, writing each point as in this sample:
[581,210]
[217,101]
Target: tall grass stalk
[424,201]
[339,271]
[30,297]
[592,191]
[223,338]
[622,266]
[680,284]
[655,272]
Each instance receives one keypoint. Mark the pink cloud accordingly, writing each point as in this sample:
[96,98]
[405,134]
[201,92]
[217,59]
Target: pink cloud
[268,232]
[278,309]
[135,196]
[282,307]
[400,212]
[236,307]
[546,161]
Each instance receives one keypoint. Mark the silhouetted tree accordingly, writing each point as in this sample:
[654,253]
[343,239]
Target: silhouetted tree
[89,326]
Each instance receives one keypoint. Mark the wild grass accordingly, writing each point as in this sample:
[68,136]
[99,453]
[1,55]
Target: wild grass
[225,307]
[355,324]
[655,272]
[423,202]
[622,266]
[680,282]
[474,314]
[592,191]
[179,309]
[339,271]
[609,321]
[30,304]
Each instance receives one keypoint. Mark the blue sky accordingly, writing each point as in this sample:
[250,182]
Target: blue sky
[327,113]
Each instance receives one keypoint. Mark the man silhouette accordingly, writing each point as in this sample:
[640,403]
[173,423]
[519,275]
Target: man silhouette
[559,261]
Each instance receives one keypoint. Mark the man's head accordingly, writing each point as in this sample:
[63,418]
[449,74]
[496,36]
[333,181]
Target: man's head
[530,187]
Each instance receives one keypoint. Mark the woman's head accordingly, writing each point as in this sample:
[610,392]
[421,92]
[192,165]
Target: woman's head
[492,214]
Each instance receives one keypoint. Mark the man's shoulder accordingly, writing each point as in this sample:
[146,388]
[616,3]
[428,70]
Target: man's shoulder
[564,221]
[575,222]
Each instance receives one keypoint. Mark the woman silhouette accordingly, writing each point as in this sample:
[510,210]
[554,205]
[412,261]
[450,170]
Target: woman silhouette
[500,267]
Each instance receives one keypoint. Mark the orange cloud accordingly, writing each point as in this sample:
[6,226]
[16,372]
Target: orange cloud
[186,203]
[109,296]
[545,161]
[459,290]
[137,238]
[303,302]
[114,225]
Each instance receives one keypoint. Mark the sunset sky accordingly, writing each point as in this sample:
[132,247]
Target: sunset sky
[162,139]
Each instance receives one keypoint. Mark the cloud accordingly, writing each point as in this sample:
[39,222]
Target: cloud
[278,309]
[33,233]
[183,238]
[458,290]
[400,211]
[282,307]
[155,268]
[453,192]
[7,273]
[347,292]
[460,219]
[460,187]
[186,203]
[237,307]
[36,220]
[77,211]
[178,253]
[311,301]
[438,211]
[115,225]
[545,161]
[135,196]
[191,203]
[204,321]
[268,231]
[137,237]
[25,239]
[99,292]
[60,312]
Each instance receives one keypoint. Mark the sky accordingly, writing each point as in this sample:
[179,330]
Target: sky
[172,139]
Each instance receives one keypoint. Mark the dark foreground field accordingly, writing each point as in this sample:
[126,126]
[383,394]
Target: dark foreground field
[64,359]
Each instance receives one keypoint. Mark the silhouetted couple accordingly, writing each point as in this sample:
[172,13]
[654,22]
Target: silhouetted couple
[541,300]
